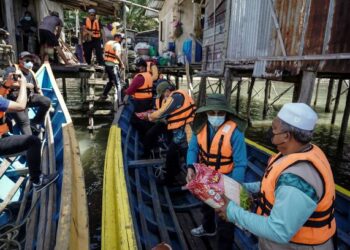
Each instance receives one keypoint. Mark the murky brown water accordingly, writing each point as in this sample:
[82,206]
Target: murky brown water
[93,148]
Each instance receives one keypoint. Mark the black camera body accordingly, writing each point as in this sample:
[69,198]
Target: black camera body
[15,77]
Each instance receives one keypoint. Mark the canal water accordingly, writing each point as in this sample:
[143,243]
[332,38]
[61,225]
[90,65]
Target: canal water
[92,148]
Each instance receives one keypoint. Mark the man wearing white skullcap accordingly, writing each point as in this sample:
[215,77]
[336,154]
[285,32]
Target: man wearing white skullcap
[297,191]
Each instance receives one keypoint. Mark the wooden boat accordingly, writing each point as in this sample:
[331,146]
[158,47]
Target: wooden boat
[138,213]
[57,216]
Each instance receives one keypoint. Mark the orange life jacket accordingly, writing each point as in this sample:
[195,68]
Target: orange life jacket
[93,26]
[3,125]
[109,52]
[320,226]
[145,91]
[182,115]
[217,154]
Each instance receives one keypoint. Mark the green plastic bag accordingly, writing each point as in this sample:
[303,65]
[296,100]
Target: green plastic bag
[152,51]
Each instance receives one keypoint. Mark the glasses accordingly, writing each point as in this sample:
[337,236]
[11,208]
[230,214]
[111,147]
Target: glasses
[92,14]
[28,60]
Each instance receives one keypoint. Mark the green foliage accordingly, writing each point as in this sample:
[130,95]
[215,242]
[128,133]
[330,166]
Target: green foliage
[245,199]
[136,19]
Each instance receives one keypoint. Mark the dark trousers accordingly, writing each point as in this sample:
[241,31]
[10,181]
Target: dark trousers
[151,137]
[140,125]
[18,143]
[113,79]
[42,102]
[94,44]
[225,230]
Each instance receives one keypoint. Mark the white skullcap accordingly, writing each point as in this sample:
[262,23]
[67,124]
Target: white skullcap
[92,11]
[298,115]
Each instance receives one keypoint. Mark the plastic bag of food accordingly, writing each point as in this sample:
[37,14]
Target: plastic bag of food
[211,186]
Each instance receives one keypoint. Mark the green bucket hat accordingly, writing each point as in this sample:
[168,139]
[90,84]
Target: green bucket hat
[161,87]
[216,102]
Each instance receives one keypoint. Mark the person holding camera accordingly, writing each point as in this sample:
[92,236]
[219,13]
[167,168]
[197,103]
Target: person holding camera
[14,144]
[35,97]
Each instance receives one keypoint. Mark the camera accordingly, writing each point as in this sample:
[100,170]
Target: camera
[15,77]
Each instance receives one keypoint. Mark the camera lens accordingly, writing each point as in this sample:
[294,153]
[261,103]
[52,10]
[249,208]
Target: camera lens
[15,77]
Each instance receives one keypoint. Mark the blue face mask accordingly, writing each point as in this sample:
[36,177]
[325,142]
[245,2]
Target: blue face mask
[28,65]
[27,18]
[216,121]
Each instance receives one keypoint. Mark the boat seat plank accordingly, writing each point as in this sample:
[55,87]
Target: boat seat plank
[11,194]
[4,166]
[146,163]
[17,171]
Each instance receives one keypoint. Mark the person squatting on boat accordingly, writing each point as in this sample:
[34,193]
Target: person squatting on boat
[177,109]
[113,65]
[219,143]
[49,32]
[14,144]
[297,191]
[35,97]
[141,91]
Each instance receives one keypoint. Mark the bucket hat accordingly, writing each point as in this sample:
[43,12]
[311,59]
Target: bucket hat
[216,102]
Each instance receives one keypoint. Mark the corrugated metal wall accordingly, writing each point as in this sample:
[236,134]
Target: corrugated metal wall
[276,28]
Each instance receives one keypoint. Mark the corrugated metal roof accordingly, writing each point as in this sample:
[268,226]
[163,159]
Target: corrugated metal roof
[154,4]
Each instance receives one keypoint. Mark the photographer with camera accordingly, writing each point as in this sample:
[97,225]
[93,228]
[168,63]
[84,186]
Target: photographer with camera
[35,97]
[14,144]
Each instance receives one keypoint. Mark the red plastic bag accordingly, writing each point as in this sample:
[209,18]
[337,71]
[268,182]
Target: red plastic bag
[211,186]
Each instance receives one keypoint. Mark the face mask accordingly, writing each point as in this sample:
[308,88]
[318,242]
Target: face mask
[216,121]
[270,135]
[28,65]
[27,18]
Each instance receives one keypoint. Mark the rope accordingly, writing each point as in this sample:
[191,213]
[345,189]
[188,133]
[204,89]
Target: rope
[8,238]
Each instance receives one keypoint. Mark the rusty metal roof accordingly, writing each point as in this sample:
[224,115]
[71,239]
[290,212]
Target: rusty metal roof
[103,7]
[154,4]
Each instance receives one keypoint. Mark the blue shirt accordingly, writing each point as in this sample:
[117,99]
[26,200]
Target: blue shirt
[4,104]
[239,153]
[286,218]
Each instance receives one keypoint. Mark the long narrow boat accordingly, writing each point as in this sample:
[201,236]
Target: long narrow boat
[138,213]
[57,216]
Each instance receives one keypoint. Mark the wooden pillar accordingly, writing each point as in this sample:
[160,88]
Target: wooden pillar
[317,89]
[296,92]
[239,83]
[11,26]
[202,92]
[64,88]
[344,126]
[266,97]
[329,96]
[307,87]
[337,98]
[250,92]
[228,84]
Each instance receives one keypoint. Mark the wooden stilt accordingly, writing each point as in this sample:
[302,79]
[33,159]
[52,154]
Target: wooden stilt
[64,87]
[250,92]
[202,92]
[239,83]
[344,126]
[296,92]
[228,84]
[307,87]
[317,90]
[266,98]
[336,104]
[329,96]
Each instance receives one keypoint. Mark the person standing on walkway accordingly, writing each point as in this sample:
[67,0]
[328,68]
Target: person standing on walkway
[219,143]
[297,191]
[93,37]
[113,62]
[35,97]
[49,32]
[14,144]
